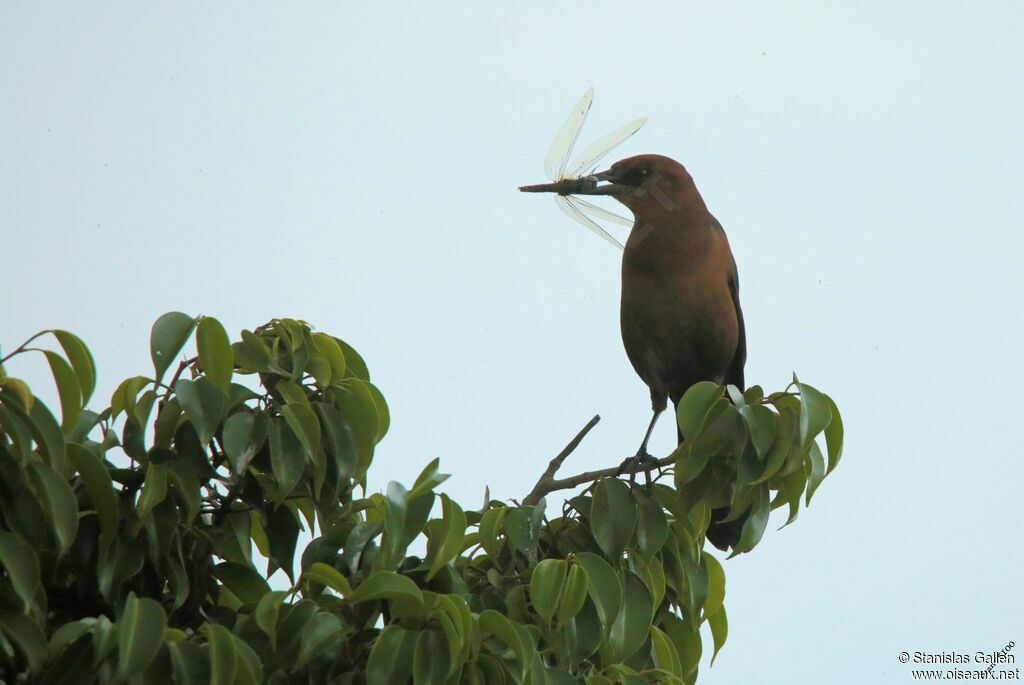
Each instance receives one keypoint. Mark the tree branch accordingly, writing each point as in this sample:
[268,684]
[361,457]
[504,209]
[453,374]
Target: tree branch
[547,483]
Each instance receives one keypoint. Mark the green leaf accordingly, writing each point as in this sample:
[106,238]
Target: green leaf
[430,477]
[223,655]
[243,436]
[140,633]
[716,584]
[67,389]
[252,353]
[391,660]
[99,488]
[833,435]
[522,526]
[355,402]
[574,594]
[291,393]
[329,348]
[816,470]
[287,458]
[430,659]
[17,429]
[22,566]
[250,668]
[169,334]
[215,355]
[18,388]
[319,633]
[664,653]
[613,516]
[27,636]
[383,414]
[81,361]
[67,634]
[404,519]
[815,414]
[762,424]
[282,533]
[723,433]
[756,522]
[386,585]
[203,404]
[546,586]
[355,367]
[490,528]
[305,425]
[121,561]
[59,502]
[454,527]
[243,581]
[189,663]
[792,487]
[633,622]
[266,614]
[785,437]
[719,630]
[604,586]
[499,626]
[49,436]
[154,489]
[104,640]
[599,680]
[694,407]
[329,576]
[652,526]
[338,439]
[124,396]
[686,639]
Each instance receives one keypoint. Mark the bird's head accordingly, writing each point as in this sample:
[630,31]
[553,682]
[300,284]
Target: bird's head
[648,185]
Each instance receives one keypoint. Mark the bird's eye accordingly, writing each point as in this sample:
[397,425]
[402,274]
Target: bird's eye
[637,176]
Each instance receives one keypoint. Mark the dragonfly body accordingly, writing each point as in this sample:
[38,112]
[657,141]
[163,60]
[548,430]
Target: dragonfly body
[568,186]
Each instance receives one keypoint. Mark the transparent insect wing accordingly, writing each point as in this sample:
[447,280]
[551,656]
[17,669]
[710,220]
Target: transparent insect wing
[561,147]
[567,205]
[587,160]
[599,212]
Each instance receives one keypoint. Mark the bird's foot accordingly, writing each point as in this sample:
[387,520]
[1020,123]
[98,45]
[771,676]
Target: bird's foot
[641,461]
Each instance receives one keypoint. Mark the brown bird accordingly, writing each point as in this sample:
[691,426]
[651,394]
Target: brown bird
[680,315]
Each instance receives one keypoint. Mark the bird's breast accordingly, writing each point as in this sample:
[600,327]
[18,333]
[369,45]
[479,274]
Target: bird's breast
[679,324]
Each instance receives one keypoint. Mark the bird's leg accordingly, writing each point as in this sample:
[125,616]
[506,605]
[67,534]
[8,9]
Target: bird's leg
[642,456]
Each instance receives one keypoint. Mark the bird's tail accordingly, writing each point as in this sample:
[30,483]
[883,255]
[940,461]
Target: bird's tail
[721,533]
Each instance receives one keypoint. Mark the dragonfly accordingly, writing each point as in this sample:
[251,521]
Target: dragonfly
[569,178]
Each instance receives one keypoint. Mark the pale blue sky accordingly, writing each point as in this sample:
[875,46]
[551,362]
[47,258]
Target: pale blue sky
[355,165]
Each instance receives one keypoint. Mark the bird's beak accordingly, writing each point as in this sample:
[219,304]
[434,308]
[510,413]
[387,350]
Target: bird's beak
[585,185]
[607,183]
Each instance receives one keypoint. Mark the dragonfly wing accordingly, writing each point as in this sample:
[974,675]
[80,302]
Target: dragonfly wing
[567,205]
[599,212]
[588,159]
[561,147]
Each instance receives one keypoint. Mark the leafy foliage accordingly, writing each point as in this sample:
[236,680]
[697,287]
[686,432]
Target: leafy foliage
[127,536]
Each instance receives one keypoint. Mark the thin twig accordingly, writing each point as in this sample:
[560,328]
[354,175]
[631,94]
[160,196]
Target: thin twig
[24,346]
[177,374]
[547,483]
[589,476]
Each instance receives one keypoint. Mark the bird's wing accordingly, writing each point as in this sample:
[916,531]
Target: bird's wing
[567,204]
[561,147]
[734,375]
[600,212]
[587,160]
